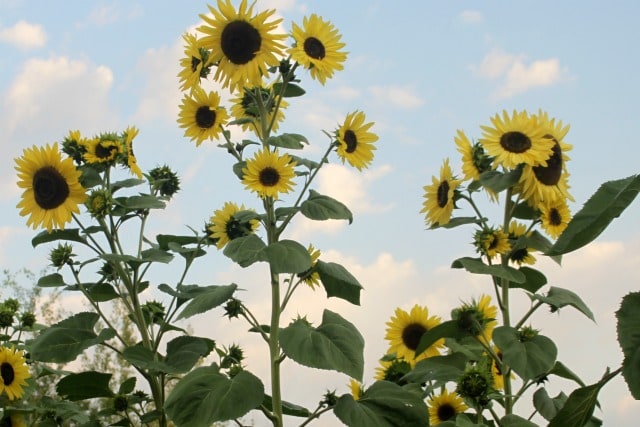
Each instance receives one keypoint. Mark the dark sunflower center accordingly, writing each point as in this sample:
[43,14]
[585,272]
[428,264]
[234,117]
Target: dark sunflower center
[443,194]
[411,335]
[205,117]
[314,48]
[194,64]
[519,254]
[105,151]
[351,140]
[550,174]
[235,229]
[50,189]
[554,217]
[493,242]
[7,373]
[446,412]
[240,42]
[269,177]
[515,142]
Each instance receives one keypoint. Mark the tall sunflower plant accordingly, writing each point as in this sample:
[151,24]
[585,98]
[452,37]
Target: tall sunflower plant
[91,198]
[488,365]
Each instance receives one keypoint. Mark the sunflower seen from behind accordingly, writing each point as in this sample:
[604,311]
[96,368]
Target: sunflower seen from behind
[478,317]
[405,329]
[355,141]
[201,115]
[246,110]
[317,47]
[14,372]
[268,173]
[444,407]
[243,45]
[52,191]
[226,225]
[439,197]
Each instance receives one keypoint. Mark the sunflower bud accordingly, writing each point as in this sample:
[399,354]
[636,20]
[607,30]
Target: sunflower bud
[475,384]
[527,333]
[234,356]
[329,399]
[99,203]
[233,308]
[153,311]
[62,255]
[164,181]
[120,403]
[11,304]
[27,319]
[6,317]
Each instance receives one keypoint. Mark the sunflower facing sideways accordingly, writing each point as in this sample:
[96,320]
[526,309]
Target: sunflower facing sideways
[242,44]
[201,115]
[317,47]
[132,163]
[225,226]
[13,372]
[439,196]
[477,317]
[195,63]
[311,277]
[555,217]
[269,174]
[355,142]
[405,330]
[52,191]
[516,139]
[444,407]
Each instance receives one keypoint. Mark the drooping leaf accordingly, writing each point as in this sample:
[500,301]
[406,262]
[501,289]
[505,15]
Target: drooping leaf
[68,234]
[127,386]
[338,282]
[205,396]
[438,369]
[301,161]
[204,298]
[287,256]
[319,207]
[187,252]
[457,221]
[381,405]
[335,345]
[184,351]
[101,292]
[164,240]
[287,408]
[534,280]
[290,90]
[448,329]
[498,181]
[51,280]
[141,201]
[476,266]
[606,204]
[529,358]
[245,250]
[84,385]
[559,297]
[628,318]
[144,358]
[156,255]
[126,183]
[561,370]
[547,406]
[288,140]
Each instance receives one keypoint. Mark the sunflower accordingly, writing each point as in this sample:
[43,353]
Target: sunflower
[311,277]
[516,139]
[496,373]
[356,389]
[13,372]
[355,142]
[439,196]
[445,407]
[225,226]
[195,64]
[52,190]
[73,146]
[12,420]
[129,134]
[317,47]
[393,370]
[242,45]
[268,173]
[99,150]
[201,115]
[405,330]
[492,242]
[245,108]
[477,317]
[474,159]
[555,216]
[520,255]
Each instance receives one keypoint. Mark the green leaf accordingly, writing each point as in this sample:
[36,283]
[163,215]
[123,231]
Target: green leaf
[287,256]
[204,298]
[101,292]
[455,222]
[288,140]
[561,370]
[524,211]
[498,181]
[142,201]
[548,407]
[245,250]
[183,352]
[69,234]
[290,90]
[559,297]
[578,409]
[156,255]
[85,385]
[606,204]
[237,169]
[301,161]
[529,359]
[383,404]
[476,266]
[513,420]
[534,280]
[187,252]
[126,183]
[127,386]
[64,341]
[319,207]
[438,369]
[51,280]
[164,240]
[338,282]
[628,318]
[205,396]
[144,358]
[287,408]
[336,344]
[448,329]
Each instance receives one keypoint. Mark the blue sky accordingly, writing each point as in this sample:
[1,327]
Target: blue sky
[420,70]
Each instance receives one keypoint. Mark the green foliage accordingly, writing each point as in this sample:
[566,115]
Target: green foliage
[628,317]
[557,298]
[529,358]
[84,385]
[319,207]
[288,140]
[287,256]
[477,266]
[338,282]
[204,298]
[68,234]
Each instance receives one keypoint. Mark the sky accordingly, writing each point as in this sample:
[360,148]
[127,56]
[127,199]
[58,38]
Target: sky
[420,71]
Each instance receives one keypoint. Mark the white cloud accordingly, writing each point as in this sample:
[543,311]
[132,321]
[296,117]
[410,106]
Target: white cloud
[399,96]
[107,14]
[517,74]
[471,16]
[24,35]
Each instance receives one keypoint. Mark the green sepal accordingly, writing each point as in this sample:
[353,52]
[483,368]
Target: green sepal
[334,345]
[338,282]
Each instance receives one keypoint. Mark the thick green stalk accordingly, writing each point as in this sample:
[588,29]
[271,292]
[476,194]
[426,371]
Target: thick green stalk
[504,306]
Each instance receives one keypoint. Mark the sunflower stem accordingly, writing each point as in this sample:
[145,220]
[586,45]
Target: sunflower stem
[504,306]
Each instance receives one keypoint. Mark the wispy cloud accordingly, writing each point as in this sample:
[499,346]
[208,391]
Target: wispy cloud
[398,96]
[24,35]
[471,16]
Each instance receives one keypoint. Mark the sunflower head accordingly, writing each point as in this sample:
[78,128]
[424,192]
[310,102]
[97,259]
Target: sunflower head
[355,141]
[356,389]
[233,308]
[491,242]
[201,115]
[52,191]
[475,384]
[520,253]
[73,145]
[440,196]
[474,159]
[311,277]
[130,159]
[555,217]
[268,173]
[164,181]
[317,47]
[444,407]
[14,372]
[99,203]
[478,317]
[393,370]
[405,329]
[231,222]
[102,150]
[195,64]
